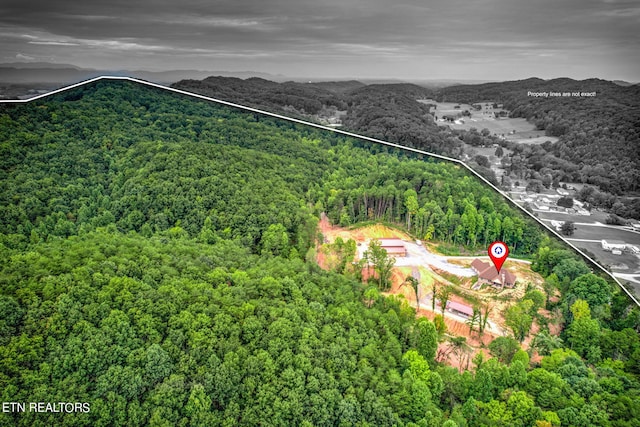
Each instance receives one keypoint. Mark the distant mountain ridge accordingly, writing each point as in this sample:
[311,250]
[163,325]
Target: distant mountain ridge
[624,83]
[503,91]
[36,65]
[42,72]
[304,98]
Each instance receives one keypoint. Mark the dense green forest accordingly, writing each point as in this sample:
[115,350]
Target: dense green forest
[586,126]
[154,172]
[385,111]
[158,263]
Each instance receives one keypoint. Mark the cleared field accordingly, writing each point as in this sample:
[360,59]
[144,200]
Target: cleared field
[483,118]
[531,137]
[570,217]
[360,234]
[446,107]
[598,233]
[502,126]
[617,262]
[593,232]
[441,271]
[488,152]
[513,129]
[624,263]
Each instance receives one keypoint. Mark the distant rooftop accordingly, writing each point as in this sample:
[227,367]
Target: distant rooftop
[390,241]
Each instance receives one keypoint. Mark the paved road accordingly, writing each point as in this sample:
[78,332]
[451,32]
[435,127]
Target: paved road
[552,212]
[419,255]
[596,224]
[635,278]
[486,258]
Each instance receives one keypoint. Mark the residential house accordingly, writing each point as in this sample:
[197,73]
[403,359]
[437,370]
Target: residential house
[487,273]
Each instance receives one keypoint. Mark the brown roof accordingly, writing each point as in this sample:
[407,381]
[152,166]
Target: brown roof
[459,307]
[393,246]
[509,277]
[479,265]
[489,272]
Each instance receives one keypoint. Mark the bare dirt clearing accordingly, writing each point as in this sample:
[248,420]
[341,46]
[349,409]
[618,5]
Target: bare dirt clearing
[439,271]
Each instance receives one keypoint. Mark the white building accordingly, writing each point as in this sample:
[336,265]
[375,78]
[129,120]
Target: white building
[557,224]
[611,245]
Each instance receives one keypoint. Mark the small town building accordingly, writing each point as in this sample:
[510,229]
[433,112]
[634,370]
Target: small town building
[487,273]
[611,245]
[457,308]
[394,247]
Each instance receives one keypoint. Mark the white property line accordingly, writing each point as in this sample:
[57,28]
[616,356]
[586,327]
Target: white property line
[338,131]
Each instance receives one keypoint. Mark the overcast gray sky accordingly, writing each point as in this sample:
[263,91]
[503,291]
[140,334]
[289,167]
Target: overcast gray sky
[406,39]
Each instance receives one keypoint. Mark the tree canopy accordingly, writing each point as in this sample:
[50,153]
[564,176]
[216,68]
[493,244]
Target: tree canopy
[158,264]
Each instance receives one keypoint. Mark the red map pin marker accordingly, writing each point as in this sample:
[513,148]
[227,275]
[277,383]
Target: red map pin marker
[498,252]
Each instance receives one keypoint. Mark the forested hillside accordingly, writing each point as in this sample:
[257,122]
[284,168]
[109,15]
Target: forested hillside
[392,112]
[387,111]
[158,263]
[149,166]
[302,98]
[598,134]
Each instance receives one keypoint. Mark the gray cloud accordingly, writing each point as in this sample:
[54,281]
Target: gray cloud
[502,39]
